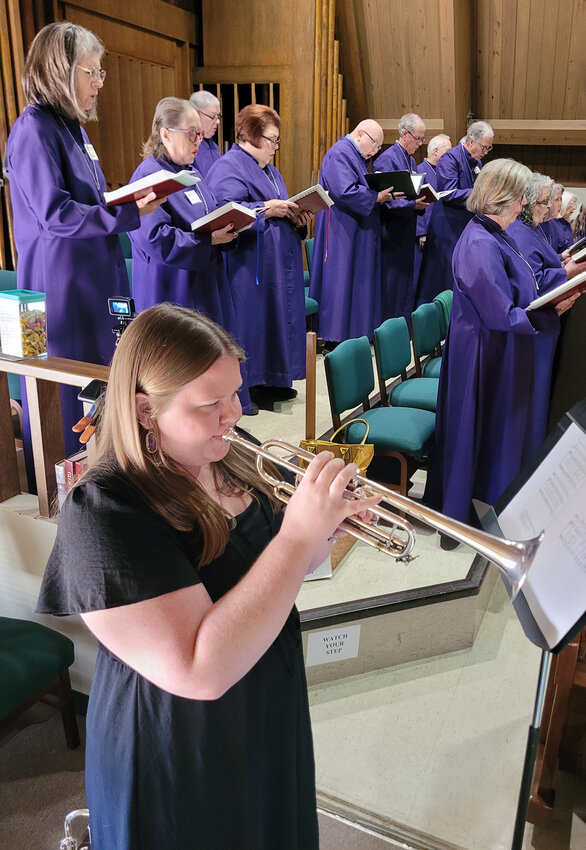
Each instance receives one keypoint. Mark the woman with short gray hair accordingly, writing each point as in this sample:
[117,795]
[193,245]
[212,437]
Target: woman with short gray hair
[485,420]
[210,114]
[457,171]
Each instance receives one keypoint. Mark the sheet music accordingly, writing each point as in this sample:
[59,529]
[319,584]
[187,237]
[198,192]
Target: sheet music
[554,500]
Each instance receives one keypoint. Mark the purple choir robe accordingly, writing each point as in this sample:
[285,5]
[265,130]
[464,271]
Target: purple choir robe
[423,220]
[172,263]
[265,271]
[484,420]
[347,282]
[455,170]
[208,152]
[549,231]
[398,227]
[565,234]
[67,239]
[549,273]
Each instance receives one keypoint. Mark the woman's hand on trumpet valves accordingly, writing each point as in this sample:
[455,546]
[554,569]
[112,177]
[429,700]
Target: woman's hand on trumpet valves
[318,507]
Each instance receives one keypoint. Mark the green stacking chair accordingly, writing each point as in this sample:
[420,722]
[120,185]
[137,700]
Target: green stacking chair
[443,303]
[396,432]
[426,336]
[126,245]
[392,349]
[34,663]
[8,281]
[309,252]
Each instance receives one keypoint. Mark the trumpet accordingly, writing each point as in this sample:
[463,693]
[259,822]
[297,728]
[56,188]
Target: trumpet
[397,537]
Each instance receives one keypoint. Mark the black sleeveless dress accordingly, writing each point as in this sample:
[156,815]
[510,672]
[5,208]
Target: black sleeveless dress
[236,773]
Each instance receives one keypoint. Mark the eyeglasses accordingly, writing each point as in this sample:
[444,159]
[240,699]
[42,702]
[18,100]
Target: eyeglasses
[542,203]
[274,142]
[217,117]
[192,135]
[377,147]
[419,139]
[484,148]
[94,73]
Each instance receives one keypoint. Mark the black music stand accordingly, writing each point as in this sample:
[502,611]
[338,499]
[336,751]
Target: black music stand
[533,631]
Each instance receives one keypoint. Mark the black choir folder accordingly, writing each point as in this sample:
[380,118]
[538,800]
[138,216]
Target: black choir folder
[408,182]
[549,495]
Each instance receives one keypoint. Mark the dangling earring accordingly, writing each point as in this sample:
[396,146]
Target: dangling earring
[151,442]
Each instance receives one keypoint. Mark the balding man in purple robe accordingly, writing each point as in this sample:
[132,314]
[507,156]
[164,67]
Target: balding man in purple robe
[399,222]
[346,273]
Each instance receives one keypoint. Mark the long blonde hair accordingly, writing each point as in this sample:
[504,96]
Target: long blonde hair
[162,350]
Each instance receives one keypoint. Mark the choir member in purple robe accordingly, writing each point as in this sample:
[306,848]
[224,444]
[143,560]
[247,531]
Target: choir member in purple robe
[548,226]
[549,273]
[484,420]
[208,107]
[346,272]
[563,222]
[399,221]
[457,170]
[265,269]
[169,261]
[66,237]
[435,149]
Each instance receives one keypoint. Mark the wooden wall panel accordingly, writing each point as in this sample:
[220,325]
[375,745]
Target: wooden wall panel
[147,58]
[273,41]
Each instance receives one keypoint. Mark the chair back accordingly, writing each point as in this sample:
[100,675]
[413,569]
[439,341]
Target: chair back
[426,329]
[392,348]
[309,251]
[349,376]
[7,280]
[126,246]
[128,262]
[443,303]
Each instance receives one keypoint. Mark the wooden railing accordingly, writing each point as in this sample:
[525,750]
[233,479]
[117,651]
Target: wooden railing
[43,378]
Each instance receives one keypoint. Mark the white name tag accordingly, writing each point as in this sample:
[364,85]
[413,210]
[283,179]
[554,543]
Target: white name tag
[91,151]
[192,196]
[476,169]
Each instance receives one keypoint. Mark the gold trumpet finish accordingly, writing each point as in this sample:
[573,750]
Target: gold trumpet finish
[513,558]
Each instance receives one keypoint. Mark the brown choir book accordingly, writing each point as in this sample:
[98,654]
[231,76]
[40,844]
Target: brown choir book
[431,195]
[313,200]
[162,183]
[577,247]
[230,213]
[564,290]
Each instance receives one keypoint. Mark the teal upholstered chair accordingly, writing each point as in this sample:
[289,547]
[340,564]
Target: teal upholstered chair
[443,303]
[426,336]
[8,281]
[392,349]
[396,432]
[128,261]
[309,252]
[126,245]
[34,663]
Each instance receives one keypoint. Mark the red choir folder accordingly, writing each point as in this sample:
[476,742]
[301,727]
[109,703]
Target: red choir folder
[162,183]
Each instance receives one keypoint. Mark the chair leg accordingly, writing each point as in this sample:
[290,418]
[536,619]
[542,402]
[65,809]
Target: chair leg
[68,712]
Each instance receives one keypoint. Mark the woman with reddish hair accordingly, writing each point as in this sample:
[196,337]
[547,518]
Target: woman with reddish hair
[265,269]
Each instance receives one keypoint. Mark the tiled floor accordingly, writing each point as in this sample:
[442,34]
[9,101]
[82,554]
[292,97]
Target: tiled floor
[435,746]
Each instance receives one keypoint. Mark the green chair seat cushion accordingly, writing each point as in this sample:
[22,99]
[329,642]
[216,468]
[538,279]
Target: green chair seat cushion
[399,429]
[415,392]
[30,656]
[311,306]
[431,368]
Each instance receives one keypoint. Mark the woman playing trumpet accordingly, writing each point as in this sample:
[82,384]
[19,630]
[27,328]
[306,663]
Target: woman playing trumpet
[188,575]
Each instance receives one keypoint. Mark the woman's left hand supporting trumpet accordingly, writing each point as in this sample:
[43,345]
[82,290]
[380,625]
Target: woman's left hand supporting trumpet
[320,505]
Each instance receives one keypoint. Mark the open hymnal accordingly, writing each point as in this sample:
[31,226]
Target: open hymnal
[553,500]
[564,290]
[230,213]
[431,195]
[162,183]
[313,200]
